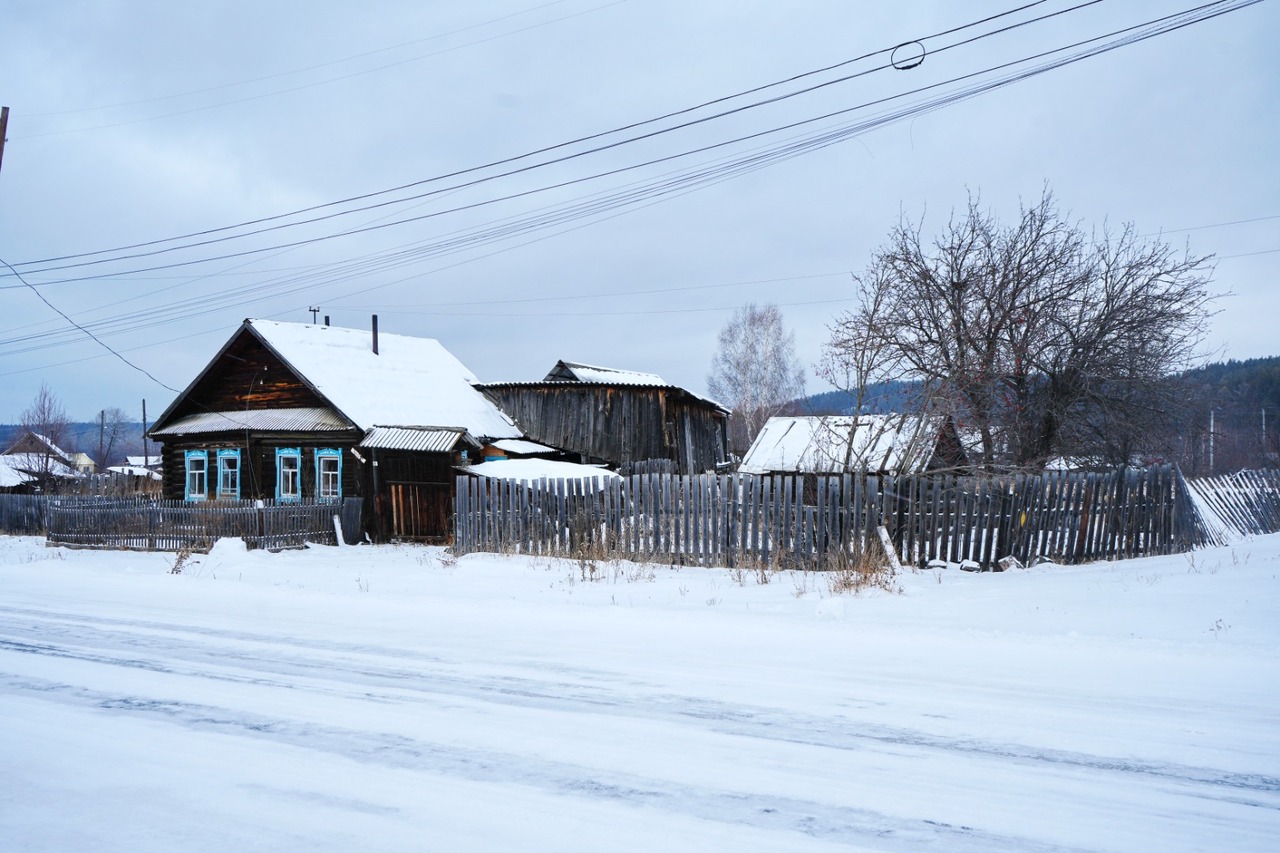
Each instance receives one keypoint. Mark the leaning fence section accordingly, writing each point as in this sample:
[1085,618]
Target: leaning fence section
[166,525]
[1245,503]
[813,520]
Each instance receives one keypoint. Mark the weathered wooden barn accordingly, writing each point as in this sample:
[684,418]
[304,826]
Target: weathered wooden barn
[298,412]
[617,417]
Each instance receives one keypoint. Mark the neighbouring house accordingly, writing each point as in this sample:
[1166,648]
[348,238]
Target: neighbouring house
[299,412]
[83,463]
[883,444]
[151,462]
[34,463]
[619,418]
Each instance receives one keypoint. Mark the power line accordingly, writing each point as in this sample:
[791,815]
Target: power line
[569,182]
[1167,24]
[577,141]
[831,137]
[91,335]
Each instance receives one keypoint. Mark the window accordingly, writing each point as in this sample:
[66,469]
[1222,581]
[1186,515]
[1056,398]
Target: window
[328,474]
[229,474]
[289,474]
[197,475]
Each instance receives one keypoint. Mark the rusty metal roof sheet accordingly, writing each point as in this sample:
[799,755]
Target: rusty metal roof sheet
[279,420]
[417,438]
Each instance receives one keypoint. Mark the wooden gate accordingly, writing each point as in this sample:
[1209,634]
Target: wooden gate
[420,510]
[415,496]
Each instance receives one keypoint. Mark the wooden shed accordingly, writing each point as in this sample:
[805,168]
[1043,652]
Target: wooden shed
[617,417]
[298,412]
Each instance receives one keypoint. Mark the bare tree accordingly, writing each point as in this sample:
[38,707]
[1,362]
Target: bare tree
[113,427]
[755,370]
[1044,339]
[47,420]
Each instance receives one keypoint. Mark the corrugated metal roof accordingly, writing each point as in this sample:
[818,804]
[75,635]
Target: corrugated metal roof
[283,420]
[420,439]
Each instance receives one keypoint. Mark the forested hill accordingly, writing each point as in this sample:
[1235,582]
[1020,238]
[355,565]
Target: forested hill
[1249,385]
[1232,386]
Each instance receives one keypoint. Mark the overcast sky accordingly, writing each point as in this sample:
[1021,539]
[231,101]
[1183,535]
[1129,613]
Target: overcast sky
[133,122]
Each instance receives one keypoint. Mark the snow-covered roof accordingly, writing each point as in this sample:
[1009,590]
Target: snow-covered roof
[42,439]
[578,372]
[410,381]
[19,468]
[142,461]
[524,447]
[821,445]
[571,372]
[532,470]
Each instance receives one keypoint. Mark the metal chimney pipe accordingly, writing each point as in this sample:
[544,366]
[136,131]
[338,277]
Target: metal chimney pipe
[375,334]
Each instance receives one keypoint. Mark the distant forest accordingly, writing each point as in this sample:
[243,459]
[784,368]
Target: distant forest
[82,436]
[1244,397]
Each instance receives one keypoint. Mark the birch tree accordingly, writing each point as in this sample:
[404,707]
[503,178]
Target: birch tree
[755,370]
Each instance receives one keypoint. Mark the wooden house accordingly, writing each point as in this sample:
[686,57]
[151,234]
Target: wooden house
[880,444]
[298,412]
[34,463]
[618,417]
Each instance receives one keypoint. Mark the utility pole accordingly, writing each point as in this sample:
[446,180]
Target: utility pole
[314,312]
[1211,442]
[4,126]
[102,428]
[146,454]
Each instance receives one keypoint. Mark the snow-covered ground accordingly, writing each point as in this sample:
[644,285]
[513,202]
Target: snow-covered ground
[387,698]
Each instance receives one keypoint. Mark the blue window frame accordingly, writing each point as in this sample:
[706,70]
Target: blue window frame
[328,474]
[289,474]
[197,487]
[229,474]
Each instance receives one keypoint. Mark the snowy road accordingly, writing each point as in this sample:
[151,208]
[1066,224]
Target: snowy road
[500,705]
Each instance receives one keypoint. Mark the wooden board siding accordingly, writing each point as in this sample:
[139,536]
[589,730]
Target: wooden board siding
[258,462]
[617,424]
[247,376]
[414,495]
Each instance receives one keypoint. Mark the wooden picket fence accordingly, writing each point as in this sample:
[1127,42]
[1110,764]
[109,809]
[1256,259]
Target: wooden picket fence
[23,515]
[168,525]
[1245,503]
[812,521]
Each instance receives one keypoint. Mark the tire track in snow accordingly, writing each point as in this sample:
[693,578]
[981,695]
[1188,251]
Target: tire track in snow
[824,821]
[368,681]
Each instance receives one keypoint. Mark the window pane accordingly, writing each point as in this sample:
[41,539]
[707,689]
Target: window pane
[329,477]
[290,481]
[197,472]
[228,476]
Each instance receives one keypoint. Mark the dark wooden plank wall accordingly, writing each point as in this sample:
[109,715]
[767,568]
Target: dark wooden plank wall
[618,424]
[258,461]
[247,376]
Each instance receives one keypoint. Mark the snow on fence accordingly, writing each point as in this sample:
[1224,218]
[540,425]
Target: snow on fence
[819,521]
[168,525]
[1245,503]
